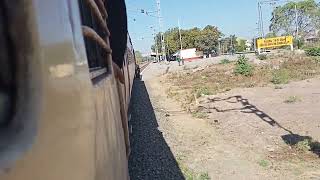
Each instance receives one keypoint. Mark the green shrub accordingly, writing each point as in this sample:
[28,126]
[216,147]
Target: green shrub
[264,163]
[262,57]
[203,91]
[204,176]
[243,67]
[225,61]
[298,43]
[304,145]
[307,144]
[280,77]
[315,51]
[292,100]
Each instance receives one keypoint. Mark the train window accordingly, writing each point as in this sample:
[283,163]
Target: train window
[96,55]
[118,26]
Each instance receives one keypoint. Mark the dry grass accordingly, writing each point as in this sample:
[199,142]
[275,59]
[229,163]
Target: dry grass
[190,174]
[292,99]
[186,86]
[200,115]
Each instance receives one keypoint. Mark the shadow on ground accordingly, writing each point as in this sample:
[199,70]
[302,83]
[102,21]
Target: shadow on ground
[290,139]
[151,157]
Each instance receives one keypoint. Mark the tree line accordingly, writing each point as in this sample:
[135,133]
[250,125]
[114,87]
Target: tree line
[303,14]
[285,19]
[206,39]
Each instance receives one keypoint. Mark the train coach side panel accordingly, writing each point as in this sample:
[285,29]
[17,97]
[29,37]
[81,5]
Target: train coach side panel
[110,157]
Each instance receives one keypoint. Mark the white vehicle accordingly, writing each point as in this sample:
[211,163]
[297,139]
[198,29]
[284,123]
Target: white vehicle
[188,54]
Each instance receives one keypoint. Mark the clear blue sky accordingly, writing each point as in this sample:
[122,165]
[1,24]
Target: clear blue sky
[237,17]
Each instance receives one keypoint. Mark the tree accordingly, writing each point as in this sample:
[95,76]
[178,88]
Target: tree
[203,39]
[241,45]
[271,35]
[284,18]
[139,57]
[190,37]
[208,39]
[157,44]
[228,44]
[172,40]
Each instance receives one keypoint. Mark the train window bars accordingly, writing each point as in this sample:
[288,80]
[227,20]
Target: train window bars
[96,34]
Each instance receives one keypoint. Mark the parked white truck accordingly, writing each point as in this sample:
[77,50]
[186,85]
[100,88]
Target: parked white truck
[189,54]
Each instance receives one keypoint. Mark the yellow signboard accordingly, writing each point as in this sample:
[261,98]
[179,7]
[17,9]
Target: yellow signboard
[275,42]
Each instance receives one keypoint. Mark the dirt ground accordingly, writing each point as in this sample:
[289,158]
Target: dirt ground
[250,132]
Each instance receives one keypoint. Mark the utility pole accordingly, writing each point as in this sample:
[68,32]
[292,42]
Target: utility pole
[260,22]
[180,35]
[255,44]
[297,23]
[167,46]
[157,51]
[232,48]
[163,46]
[156,43]
[219,41]
[259,19]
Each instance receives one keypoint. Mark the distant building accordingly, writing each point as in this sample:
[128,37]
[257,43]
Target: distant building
[249,45]
[147,54]
[312,37]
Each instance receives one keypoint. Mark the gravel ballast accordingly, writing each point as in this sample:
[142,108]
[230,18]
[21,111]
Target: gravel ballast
[151,157]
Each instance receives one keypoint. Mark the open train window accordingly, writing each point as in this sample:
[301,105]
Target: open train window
[97,57]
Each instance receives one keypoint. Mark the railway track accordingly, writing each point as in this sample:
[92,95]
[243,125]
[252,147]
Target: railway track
[144,66]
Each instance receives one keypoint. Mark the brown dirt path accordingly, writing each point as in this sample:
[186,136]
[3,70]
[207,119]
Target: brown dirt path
[243,138]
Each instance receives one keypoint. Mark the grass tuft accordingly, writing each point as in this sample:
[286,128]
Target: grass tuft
[190,174]
[278,87]
[292,100]
[280,77]
[304,145]
[200,115]
[225,61]
[262,57]
[264,163]
[203,91]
